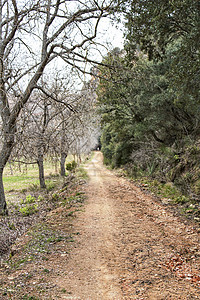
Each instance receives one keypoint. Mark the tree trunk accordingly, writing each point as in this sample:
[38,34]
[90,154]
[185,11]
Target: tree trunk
[41,172]
[3,206]
[40,163]
[62,163]
[7,145]
[63,148]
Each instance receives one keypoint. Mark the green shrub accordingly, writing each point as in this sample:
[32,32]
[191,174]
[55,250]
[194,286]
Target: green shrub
[30,199]
[71,166]
[28,210]
[55,197]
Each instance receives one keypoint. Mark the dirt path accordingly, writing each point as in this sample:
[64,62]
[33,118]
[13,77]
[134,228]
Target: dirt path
[129,246]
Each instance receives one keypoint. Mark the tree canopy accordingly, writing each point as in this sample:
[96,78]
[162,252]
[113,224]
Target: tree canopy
[149,98]
[155,26]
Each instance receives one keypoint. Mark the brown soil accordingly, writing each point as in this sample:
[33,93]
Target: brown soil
[128,246]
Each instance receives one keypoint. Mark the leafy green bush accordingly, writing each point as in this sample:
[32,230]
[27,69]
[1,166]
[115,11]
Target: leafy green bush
[71,166]
[28,210]
[29,199]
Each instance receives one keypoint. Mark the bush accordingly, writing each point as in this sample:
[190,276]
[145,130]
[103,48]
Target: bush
[28,210]
[71,166]
[30,199]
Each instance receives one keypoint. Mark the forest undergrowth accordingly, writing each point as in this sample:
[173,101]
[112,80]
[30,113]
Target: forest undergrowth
[174,179]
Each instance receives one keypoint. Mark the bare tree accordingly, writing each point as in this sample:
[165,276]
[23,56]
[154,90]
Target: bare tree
[76,122]
[34,133]
[33,34]
[55,123]
[86,125]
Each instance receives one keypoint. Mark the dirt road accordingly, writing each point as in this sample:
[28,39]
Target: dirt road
[121,244]
[130,246]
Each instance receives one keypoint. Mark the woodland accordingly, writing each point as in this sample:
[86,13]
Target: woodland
[146,95]
[45,101]
[125,223]
[149,98]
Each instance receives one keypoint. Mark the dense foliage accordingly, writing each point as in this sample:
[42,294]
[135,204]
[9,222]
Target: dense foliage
[149,97]
[153,25]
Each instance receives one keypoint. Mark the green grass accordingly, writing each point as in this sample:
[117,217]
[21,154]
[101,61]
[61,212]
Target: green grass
[19,182]
[27,176]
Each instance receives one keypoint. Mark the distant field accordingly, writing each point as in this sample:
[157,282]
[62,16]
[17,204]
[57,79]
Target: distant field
[18,178]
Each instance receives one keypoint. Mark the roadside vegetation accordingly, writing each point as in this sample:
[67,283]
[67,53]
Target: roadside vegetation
[39,222]
[149,100]
[29,205]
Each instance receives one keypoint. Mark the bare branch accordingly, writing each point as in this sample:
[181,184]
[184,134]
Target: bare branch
[55,99]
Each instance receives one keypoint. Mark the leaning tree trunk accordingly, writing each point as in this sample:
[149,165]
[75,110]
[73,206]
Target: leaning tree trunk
[3,206]
[7,145]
